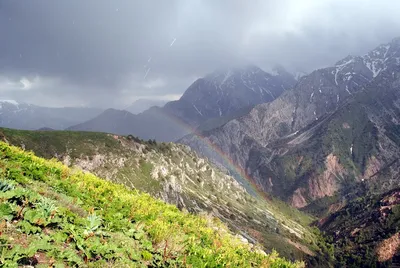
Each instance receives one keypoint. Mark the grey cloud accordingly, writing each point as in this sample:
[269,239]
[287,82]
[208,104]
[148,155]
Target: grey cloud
[96,52]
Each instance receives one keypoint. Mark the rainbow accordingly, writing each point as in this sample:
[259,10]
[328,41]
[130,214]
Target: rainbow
[236,171]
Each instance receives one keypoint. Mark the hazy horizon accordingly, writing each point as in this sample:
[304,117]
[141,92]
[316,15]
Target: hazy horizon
[109,54]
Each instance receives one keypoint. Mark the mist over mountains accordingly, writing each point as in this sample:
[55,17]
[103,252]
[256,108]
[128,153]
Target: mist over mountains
[327,142]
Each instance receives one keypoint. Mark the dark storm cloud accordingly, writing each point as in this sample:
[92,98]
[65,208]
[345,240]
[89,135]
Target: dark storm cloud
[98,52]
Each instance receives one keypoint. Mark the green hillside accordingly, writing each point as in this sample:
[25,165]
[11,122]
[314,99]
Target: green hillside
[175,174]
[55,216]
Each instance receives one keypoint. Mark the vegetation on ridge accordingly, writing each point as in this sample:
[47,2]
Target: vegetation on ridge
[178,176]
[52,215]
[366,232]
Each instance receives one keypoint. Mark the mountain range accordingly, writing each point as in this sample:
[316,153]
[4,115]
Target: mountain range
[262,141]
[177,175]
[317,145]
[27,116]
[327,144]
[141,105]
[217,95]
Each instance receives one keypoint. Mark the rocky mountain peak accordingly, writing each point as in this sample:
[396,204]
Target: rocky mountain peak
[222,76]
[226,91]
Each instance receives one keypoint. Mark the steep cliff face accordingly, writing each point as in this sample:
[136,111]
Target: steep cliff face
[348,112]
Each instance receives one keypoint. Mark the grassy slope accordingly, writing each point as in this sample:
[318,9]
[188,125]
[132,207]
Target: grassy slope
[52,215]
[272,223]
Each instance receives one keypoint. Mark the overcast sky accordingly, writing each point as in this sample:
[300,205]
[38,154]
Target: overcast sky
[109,53]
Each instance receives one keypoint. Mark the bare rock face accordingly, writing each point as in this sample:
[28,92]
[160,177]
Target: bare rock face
[328,183]
[319,186]
[298,199]
[388,248]
[373,166]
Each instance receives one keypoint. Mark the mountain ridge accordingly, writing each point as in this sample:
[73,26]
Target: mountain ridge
[216,95]
[314,96]
[52,215]
[22,115]
[175,174]
[140,105]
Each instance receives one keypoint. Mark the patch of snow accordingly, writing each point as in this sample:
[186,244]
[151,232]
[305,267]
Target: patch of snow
[227,75]
[347,89]
[351,149]
[270,93]
[312,94]
[372,66]
[336,73]
[387,47]
[320,91]
[375,70]
[345,63]
[245,84]
[261,90]
[368,64]
[337,98]
[339,67]
[197,110]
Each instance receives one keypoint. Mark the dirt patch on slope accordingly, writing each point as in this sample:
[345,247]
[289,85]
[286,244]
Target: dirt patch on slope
[373,166]
[388,248]
[301,247]
[319,186]
[298,199]
[328,183]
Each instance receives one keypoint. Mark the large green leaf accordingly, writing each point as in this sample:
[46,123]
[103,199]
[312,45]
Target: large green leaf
[6,212]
